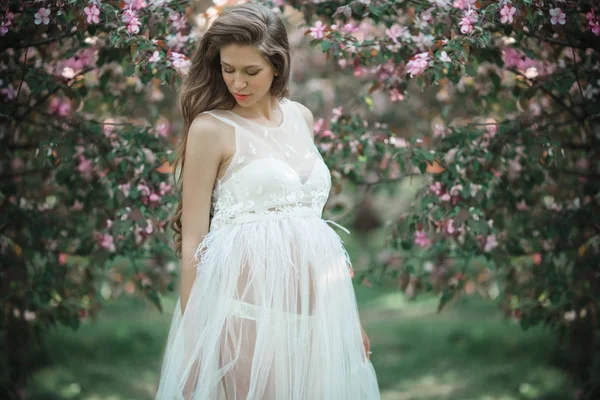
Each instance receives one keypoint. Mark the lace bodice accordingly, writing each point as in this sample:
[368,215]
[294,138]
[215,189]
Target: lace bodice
[274,171]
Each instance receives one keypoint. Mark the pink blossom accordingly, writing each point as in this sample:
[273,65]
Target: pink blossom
[450,228]
[178,22]
[318,30]
[149,227]
[557,16]
[154,197]
[466,26]
[439,130]
[133,26]
[350,27]
[418,64]
[42,16]
[318,125]
[593,22]
[93,13]
[29,315]
[8,17]
[155,57]
[522,205]
[108,127]
[144,190]
[421,239]
[82,59]
[511,57]
[136,4]
[107,242]
[128,15]
[9,92]
[180,62]
[77,206]
[85,167]
[164,188]
[53,105]
[464,4]
[130,18]
[507,13]
[64,108]
[337,113]
[399,143]
[436,188]
[490,243]
[162,127]
[444,57]
[17,163]
[491,128]
[472,15]
[359,70]
[394,32]
[177,42]
[456,189]
[125,188]
[450,155]
[62,258]
[396,95]
[327,134]
[514,169]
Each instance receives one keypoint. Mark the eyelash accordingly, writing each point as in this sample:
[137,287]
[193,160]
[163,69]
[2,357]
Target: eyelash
[230,72]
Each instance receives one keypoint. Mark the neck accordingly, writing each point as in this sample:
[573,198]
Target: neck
[266,108]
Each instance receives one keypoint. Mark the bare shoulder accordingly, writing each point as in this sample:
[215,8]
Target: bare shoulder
[207,133]
[307,114]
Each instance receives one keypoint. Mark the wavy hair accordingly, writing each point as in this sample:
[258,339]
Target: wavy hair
[204,88]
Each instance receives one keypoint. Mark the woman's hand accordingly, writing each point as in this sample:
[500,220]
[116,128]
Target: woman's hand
[366,342]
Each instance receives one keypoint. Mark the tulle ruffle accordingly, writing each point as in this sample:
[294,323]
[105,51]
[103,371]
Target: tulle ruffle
[272,315]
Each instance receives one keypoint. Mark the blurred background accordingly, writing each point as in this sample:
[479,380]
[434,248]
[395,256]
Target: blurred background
[106,342]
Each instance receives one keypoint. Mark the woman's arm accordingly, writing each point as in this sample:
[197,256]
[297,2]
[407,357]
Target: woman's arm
[202,158]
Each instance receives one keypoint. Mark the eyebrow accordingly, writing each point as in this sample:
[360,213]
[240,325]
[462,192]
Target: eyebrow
[247,66]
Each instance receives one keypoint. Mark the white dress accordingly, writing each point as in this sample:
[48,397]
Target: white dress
[272,314]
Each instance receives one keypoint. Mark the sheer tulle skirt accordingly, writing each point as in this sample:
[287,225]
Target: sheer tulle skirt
[272,315]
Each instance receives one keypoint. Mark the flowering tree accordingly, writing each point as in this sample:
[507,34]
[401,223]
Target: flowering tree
[85,161]
[512,154]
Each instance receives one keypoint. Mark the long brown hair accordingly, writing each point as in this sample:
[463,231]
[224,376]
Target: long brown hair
[204,88]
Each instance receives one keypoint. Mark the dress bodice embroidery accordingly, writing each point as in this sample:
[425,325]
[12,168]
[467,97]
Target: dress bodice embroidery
[275,171]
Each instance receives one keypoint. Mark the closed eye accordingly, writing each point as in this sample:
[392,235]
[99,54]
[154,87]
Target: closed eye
[231,72]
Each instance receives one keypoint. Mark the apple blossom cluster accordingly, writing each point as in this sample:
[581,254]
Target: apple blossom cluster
[131,20]
[468,20]
[531,68]
[6,22]
[418,64]
[593,22]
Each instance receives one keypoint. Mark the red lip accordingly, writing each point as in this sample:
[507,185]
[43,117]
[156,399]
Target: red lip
[241,96]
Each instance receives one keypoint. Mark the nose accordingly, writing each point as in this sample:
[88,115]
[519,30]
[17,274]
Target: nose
[239,84]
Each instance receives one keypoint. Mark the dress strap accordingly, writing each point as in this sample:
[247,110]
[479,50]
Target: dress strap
[338,225]
[219,115]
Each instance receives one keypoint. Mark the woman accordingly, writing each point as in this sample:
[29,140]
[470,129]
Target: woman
[267,308]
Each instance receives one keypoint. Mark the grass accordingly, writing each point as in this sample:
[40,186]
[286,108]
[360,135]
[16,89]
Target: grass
[466,352]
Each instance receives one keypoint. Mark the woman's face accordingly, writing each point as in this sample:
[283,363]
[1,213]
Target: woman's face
[246,72]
